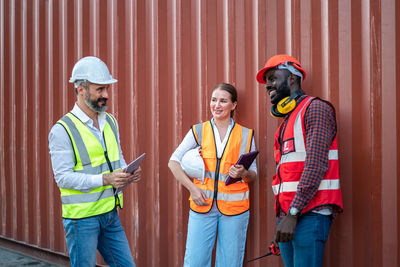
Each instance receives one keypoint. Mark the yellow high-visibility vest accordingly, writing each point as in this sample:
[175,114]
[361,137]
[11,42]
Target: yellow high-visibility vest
[90,158]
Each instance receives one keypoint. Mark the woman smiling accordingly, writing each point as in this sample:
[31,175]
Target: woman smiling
[214,206]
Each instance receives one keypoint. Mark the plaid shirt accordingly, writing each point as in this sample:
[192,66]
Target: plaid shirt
[320,130]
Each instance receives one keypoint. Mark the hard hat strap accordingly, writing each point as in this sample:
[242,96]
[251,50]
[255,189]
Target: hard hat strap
[289,66]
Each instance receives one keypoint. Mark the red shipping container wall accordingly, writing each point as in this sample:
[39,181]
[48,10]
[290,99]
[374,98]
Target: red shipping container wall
[167,56]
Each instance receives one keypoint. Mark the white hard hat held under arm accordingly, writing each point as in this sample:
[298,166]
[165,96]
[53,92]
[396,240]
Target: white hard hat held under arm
[193,165]
[93,70]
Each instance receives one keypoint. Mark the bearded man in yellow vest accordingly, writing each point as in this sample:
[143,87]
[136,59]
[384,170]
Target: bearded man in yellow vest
[88,167]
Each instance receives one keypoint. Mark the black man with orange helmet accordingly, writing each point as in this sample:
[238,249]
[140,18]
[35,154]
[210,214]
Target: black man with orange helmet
[306,183]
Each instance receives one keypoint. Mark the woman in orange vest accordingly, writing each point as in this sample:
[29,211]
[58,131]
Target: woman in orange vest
[214,205]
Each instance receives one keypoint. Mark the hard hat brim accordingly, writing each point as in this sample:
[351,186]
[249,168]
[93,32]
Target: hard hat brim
[110,81]
[260,75]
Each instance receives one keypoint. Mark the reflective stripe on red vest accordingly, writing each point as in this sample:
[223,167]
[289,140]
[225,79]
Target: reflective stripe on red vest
[234,198]
[290,160]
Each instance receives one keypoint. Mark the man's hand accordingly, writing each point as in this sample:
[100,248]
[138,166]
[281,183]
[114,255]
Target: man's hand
[136,175]
[285,229]
[198,196]
[119,178]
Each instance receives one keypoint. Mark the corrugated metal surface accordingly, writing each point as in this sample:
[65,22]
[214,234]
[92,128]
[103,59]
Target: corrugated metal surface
[168,55]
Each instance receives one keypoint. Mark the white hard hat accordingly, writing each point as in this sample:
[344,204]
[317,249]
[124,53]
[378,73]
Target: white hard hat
[93,70]
[193,165]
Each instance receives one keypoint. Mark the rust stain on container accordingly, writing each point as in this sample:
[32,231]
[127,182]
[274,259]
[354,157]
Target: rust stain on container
[168,56]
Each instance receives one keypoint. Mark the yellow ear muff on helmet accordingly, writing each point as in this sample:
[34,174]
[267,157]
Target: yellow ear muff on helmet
[284,106]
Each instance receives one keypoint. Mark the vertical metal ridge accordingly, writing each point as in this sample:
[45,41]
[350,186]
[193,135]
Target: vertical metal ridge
[3,204]
[345,129]
[199,48]
[50,238]
[37,238]
[12,123]
[112,45]
[326,47]
[288,26]
[153,127]
[94,19]
[62,32]
[390,245]
[225,39]
[24,124]
[137,226]
[256,191]
[2,116]
[78,29]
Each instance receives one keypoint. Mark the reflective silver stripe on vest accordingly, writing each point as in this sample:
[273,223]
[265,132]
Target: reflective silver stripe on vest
[112,125]
[87,198]
[301,156]
[227,197]
[292,186]
[222,176]
[233,196]
[245,140]
[209,194]
[199,132]
[83,153]
[209,174]
[298,130]
[100,169]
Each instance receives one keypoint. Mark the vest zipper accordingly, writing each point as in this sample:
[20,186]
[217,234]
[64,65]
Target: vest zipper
[106,155]
[108,161]
[219,160]
[280,140]
[216,179]
[111,169]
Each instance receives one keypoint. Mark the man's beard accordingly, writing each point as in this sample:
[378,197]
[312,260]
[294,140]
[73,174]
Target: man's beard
[94,104]
[281,92]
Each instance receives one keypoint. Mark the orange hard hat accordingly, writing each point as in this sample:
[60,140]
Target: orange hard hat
[277,60]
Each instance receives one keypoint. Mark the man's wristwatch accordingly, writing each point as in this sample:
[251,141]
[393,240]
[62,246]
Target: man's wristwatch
[294,212]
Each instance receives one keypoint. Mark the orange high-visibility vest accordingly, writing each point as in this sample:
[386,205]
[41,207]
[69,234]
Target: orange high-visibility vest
[290,155]
[234,198]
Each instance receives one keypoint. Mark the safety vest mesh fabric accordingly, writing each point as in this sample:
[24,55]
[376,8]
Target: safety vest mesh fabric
[290,155]
[90,158]
[234,198]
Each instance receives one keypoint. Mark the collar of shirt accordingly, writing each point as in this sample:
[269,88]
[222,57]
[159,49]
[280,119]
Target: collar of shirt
[80,114]
[220,145]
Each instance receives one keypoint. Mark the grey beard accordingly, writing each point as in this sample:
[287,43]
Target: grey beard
[95,107]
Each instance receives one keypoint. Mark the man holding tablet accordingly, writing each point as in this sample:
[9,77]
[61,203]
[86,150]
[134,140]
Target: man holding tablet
[88,167]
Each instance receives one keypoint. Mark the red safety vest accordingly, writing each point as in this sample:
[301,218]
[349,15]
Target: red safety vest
[234,198]
[290,160]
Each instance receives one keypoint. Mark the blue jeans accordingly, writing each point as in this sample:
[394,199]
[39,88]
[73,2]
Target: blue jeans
[103,232]
[307,246]
[231,241]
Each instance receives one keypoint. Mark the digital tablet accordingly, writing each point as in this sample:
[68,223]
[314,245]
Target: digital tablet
[131,168]
[246,160]
[134,165]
